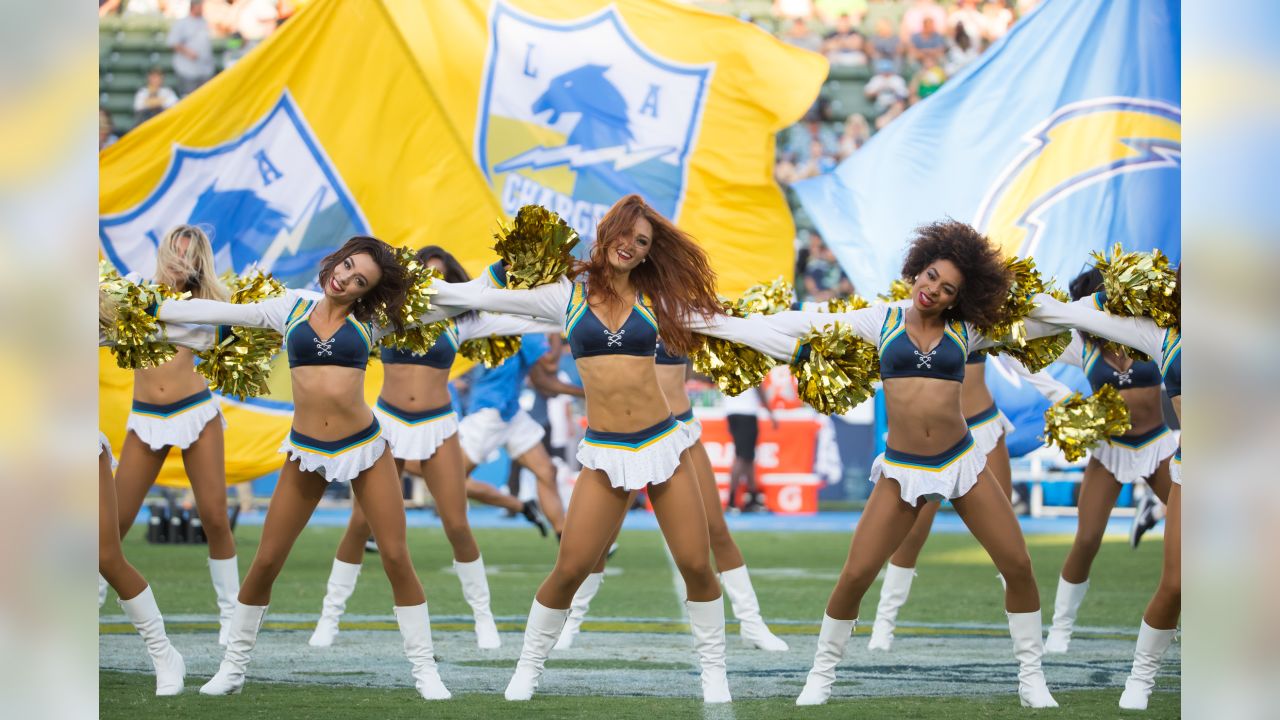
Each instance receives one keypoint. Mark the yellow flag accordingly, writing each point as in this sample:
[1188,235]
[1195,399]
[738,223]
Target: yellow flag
[424,122]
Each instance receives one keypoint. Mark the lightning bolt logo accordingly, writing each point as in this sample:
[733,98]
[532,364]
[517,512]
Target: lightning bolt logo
[575,157]
[1079,145]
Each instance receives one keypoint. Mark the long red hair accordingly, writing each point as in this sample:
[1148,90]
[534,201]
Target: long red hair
[677,279]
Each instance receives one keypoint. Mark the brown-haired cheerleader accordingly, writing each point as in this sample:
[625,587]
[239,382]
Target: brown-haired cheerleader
[958,282]
[172,407]
[1164,346]
[729,561]
[335,438]
[416,414]
[643,274]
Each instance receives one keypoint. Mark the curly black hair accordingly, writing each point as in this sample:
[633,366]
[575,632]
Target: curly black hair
[986,278]
[388,293]
[1086,283]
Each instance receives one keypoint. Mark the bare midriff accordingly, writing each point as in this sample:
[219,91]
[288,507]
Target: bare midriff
[328,401]
[622,392]
[170,382]
[671,380]
[974,395]
[415,388]
[924,414]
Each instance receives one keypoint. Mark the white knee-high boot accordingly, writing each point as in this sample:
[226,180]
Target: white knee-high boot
[1028,647]
[242,635]
[1152,644]
[475,589]
[415,628]
[342,582]
[893,595]
[226,585]
[540,633]
[578,609]
[746,608]
[1066,605]
[102,590]
[706,619]
[145,616]
[832,640]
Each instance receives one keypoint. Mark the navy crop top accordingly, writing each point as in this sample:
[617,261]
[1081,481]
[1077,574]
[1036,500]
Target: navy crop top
[1171,367]
[588,337]
[349,347]
[1101,373]
[976,357]
[665,358]
[899,357]
[440,356]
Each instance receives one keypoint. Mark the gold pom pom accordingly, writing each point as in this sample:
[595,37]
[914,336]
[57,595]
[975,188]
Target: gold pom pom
[492,351]
[736,368]
[1140,284]
[847,304]
[127,320]
[536,248]
[1078,423]
[240,362]
[416,337]
[899,289]
[839,371]
[765,298]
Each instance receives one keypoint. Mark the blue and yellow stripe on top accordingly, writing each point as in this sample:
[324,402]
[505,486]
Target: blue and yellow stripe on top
[1091,353]
[958,333]
[576,308]
[298,313]
[633,441]
[498,274]
[895,324]
[643,307]
[1169,349]
[365,330]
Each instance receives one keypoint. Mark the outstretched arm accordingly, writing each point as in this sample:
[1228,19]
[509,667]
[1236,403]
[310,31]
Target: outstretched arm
[545,301]
[1139,333]
[1044,383]
[272,313]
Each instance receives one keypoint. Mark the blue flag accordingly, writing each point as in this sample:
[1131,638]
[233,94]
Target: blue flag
[1062,138]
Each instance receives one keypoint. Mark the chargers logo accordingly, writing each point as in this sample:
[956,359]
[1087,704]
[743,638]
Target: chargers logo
[576,114]
[269,197]
[1080,145]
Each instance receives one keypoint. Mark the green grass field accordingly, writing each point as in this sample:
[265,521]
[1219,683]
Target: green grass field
[951,629]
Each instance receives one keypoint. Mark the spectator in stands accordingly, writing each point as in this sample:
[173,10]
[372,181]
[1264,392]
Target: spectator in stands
[964,50]
[801,138]
[787,9]
[192,49]
[845,45]
[799,34]
[786,171]
[927,80]
[914,17]
[886,45]
[822,274]
[829,11]
[857,131]
[106,129]
[998,19]
[153,98]
[928,43]
[877,10]
[966,15]
[897,108]
[820,160]
[886,87]
[255,20]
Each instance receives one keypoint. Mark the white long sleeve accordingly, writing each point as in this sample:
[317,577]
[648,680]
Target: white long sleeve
[752,332]
[271,313]
[195,337]
[547,302]
[1139,333]
[484,325]
[1044,383]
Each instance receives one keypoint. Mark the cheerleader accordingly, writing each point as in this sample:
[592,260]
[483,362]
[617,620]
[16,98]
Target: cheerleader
[133,592]
[643,274]
[1164,346]
[335,438]
[958,282]
[989,427]
[1143,453]
[415,412]
[172,407]
[728,558]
